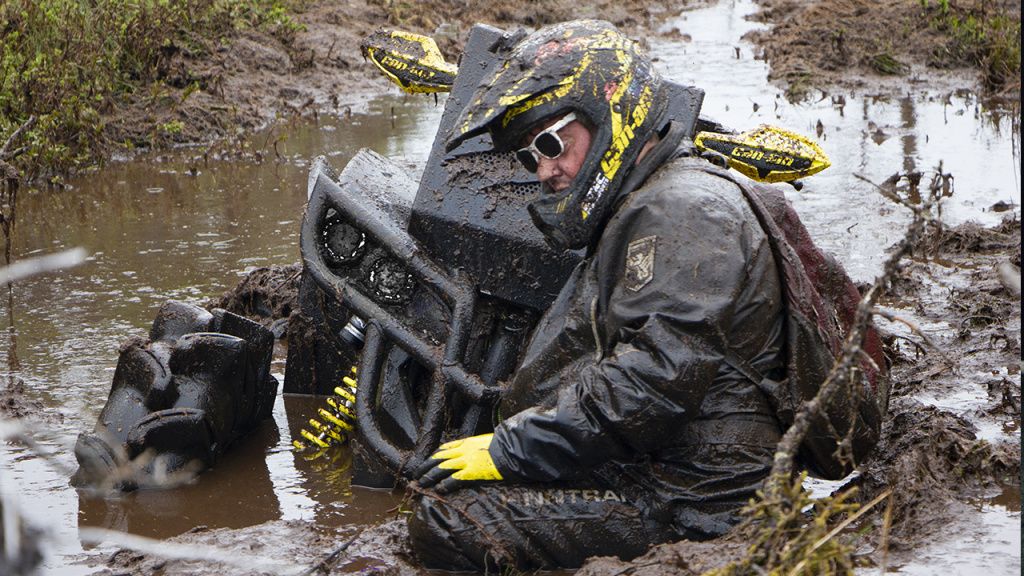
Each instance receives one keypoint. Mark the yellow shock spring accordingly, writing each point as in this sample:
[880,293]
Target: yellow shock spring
[337,422]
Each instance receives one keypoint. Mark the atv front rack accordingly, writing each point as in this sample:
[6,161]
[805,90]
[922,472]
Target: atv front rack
[386,244]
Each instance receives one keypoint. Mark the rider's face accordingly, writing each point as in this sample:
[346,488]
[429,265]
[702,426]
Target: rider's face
[559,172]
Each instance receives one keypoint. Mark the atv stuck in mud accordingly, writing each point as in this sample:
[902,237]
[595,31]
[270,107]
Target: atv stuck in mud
[430,288]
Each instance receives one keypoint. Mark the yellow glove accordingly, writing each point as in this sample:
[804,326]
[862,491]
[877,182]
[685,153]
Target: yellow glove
[458,462]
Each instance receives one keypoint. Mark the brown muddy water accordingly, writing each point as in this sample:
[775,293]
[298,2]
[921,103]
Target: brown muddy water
[180,227]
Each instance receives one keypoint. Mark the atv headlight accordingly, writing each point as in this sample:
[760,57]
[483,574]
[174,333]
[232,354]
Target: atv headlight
[390,281]
[341,243]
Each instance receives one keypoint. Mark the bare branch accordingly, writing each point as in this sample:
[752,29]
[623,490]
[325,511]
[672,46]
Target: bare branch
[41,265]
[5,153]
[887,188]
[783,464]
[187,552]
[326,563]
[913,327]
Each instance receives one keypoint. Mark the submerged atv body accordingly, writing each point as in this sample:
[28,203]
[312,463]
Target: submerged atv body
[432,288]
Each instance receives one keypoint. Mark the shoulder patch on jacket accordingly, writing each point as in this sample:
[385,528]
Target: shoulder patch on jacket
[640,263]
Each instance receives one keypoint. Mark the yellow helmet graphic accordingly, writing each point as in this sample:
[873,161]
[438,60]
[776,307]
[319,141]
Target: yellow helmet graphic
[591,69]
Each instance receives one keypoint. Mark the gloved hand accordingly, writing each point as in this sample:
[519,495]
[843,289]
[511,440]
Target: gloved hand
[459,462]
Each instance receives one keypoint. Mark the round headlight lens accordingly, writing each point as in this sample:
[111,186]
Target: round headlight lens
[341,244]
[390,281]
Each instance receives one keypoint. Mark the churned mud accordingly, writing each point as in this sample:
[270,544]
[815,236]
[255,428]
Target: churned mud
[935,458]
[276,548]
[15,403]
[257,77]
[266,295]
[865,44]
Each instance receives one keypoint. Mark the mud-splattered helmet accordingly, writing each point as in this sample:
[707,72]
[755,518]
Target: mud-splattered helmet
[587,67]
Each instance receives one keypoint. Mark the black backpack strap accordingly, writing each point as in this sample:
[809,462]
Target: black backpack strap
[776,392]
[742,366]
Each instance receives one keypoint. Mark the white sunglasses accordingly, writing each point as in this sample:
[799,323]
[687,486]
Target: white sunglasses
[547,144]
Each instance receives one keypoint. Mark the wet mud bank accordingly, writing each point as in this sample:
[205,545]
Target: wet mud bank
[256,78]
[268,295]
[219,94]
[852,44]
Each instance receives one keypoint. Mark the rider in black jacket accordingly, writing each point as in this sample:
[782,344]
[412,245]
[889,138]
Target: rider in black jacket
[625,423]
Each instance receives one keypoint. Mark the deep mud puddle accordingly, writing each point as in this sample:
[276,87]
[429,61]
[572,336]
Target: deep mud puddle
[181,226]
[178,226]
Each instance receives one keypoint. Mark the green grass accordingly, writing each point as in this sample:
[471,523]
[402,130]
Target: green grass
[68,61]
[979,36]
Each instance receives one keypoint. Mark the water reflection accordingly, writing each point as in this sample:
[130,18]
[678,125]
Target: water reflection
[237,492]
[176,226]
[327,479]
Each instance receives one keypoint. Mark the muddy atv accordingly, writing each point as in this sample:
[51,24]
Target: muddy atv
[431,288]
[416,298]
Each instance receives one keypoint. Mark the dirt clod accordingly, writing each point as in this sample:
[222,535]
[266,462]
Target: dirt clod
[266,295]
[15,403]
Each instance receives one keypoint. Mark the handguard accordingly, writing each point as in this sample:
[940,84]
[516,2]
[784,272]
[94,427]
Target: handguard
[766,153]
[411,61]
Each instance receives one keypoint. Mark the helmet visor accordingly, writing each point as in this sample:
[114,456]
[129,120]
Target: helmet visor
[547,143]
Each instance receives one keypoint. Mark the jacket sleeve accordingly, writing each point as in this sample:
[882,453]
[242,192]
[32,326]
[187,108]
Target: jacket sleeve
[664,333]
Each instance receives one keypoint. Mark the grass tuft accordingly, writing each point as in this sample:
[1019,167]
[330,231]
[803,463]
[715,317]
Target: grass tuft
[979,35]
[67,62]
[793,535]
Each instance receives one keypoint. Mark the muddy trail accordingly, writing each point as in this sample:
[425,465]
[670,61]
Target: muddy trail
[257,77]
[218,226]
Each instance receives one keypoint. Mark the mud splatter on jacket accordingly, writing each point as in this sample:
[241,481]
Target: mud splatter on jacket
[624,381]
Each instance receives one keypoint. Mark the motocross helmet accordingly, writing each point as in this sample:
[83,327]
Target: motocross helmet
[591,69]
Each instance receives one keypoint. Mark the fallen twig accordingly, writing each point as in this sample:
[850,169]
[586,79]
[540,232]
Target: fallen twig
[913,327]
[782,467]
[187,552]
[41,265]
[842,525]
[326,563]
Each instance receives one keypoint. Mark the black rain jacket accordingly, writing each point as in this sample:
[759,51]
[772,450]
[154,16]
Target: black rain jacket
[624,381]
